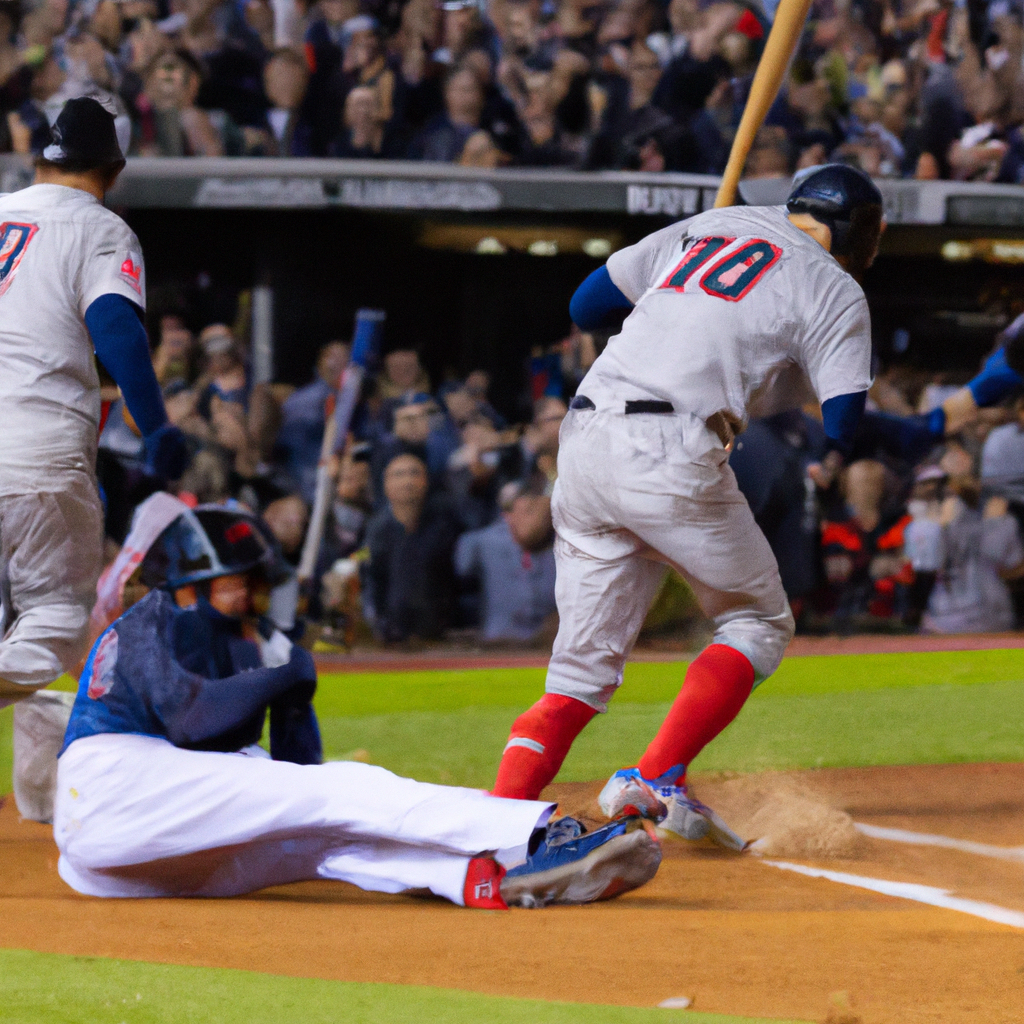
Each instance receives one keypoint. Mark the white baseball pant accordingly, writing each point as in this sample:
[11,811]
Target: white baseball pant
[635,494]
[137,816]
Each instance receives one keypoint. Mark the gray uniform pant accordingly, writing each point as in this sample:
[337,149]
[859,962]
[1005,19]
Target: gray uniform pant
[636,494]
[50,558]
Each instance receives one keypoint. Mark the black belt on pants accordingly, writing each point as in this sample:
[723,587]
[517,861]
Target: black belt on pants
[633,406]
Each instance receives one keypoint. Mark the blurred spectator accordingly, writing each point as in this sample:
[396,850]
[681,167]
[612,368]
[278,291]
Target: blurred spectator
[286,519]
[489,459]
[366,133]
[224,368]
[540,440]
[865,566]
[930,89]
[174,355]
[1002,461]
[303,415]
[981,549]
[409,578]
[288,129]
[513,562]
[413,430]
[444,137]
[402,373]
[170,122]
[353,502]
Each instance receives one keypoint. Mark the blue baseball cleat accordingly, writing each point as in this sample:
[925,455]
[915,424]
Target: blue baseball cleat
[671,806]
[570,865]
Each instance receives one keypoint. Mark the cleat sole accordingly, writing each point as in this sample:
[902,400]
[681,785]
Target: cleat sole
[620,865]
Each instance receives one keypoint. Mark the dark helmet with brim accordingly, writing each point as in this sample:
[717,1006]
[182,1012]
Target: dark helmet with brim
[847,201]
[212,541]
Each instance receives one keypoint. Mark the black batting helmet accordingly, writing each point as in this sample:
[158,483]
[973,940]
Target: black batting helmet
[848,202]
[208,542]
[84,137]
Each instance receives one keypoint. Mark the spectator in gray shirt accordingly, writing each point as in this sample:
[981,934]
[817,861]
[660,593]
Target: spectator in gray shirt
[1002,460]
[981,550]
[513,561]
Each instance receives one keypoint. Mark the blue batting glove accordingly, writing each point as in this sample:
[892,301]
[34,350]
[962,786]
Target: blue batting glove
[166,453]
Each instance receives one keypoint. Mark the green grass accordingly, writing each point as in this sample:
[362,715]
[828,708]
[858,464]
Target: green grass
[820,711]
[44,988]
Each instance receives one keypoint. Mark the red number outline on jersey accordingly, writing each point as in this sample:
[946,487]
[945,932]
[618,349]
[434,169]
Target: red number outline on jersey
[750,261]
[14,239]
[694,258]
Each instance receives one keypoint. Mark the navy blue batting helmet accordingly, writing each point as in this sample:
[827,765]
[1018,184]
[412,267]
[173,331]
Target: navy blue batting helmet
[845,199]
[208,542]
[84,136]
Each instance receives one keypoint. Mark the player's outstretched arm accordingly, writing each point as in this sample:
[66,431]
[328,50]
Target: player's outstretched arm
[119,339]
[217,706]
[597,301]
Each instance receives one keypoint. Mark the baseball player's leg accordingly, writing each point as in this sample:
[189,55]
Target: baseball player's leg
[40,722]
[138,816]
[51,549]
[601,605]
[715,543]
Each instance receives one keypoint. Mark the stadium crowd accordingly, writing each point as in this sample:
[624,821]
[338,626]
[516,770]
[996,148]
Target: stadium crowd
[901,88]
[441,519]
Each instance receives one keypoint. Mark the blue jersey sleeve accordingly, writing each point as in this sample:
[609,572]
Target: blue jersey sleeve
[115,326]
[597,301]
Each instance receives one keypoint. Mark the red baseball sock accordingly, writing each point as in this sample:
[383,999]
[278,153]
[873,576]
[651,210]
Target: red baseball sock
[482,888]
[541,737]
[716,686]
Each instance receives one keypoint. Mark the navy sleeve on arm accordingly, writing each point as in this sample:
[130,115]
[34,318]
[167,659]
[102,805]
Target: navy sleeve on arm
[119,338]
[217,706]
[596,300]
[294,733]
[841,416]
[996,380]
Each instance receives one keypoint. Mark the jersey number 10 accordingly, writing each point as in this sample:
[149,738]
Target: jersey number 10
[732,276]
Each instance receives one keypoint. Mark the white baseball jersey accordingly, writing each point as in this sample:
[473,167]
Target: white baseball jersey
[60,250]
[736,311]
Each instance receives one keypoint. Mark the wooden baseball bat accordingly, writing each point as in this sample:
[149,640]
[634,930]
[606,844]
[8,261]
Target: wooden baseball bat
[782,39]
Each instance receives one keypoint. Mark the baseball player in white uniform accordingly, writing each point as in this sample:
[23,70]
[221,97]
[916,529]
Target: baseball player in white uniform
[734,312]
[163,793]
[72,287]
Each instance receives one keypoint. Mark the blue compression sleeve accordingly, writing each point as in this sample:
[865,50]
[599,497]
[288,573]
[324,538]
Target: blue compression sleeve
[841,417]
[115,326]
[995,380]
[217,705]
[596,300]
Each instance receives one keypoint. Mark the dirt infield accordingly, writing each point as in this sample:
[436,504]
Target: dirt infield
[731,931]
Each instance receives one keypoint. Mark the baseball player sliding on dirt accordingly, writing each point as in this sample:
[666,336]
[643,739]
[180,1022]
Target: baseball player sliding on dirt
[161,792]
[731,313]
[72,288]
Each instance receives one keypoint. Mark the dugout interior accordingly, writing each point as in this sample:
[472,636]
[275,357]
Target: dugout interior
[484,290]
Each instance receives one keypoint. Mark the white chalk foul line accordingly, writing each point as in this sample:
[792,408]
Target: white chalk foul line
[910,891]
[899,835]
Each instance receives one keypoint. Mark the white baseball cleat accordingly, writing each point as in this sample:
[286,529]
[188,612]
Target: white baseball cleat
[669,805]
